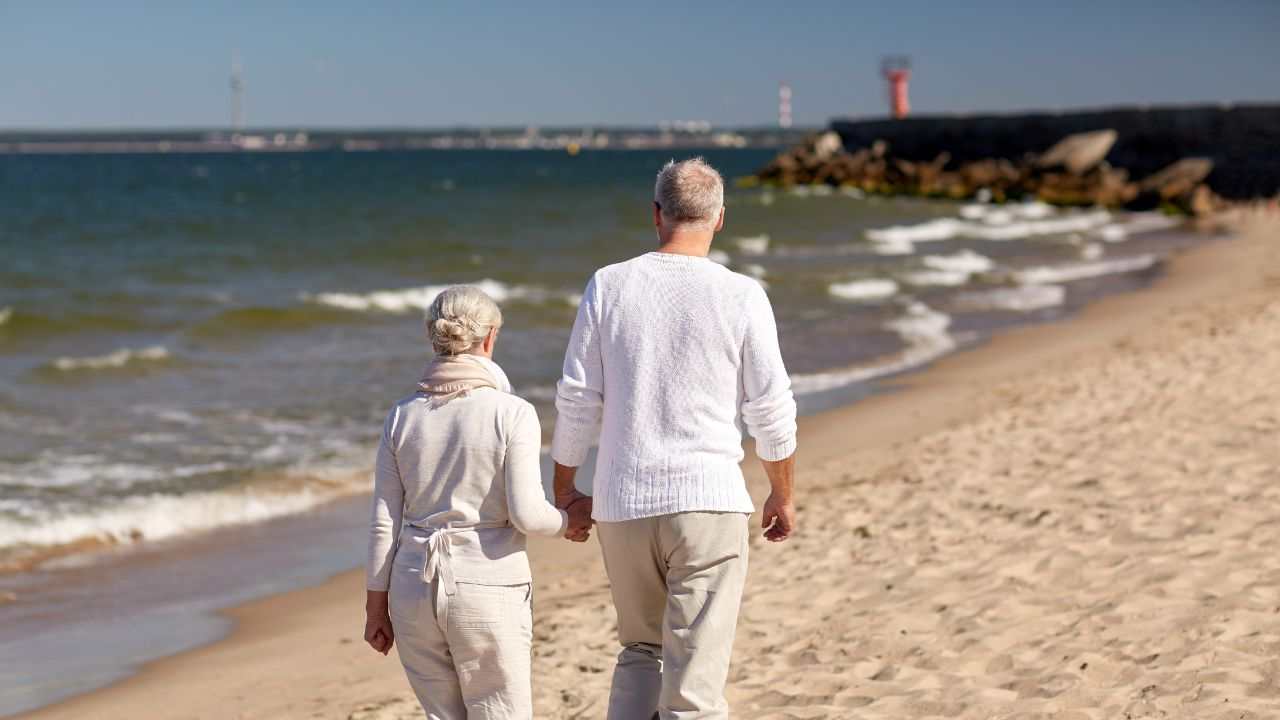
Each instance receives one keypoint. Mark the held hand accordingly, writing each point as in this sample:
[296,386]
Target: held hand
[580,521]
[778,518]
[565,499]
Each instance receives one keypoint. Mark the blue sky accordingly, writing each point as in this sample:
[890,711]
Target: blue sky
[127,63]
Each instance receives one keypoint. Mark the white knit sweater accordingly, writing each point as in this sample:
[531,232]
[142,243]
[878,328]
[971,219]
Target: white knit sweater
[666,351]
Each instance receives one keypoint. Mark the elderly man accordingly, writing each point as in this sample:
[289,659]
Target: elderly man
[667,350]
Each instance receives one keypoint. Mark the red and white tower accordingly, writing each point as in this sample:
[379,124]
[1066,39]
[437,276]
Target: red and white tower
[897,72]
[784,106]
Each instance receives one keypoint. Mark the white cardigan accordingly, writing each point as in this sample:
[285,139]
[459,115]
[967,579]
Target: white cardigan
[666,351]
[471,467]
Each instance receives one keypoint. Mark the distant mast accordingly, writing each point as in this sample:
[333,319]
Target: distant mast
[897,72]
[784,106]
[237,93]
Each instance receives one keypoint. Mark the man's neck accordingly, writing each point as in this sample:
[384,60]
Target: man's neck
[697,244]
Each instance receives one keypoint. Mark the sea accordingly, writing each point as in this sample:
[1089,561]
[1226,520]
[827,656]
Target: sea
[197,350]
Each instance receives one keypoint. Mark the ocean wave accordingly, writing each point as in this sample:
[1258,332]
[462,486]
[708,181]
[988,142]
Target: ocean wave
[1070,272]
[1023,298]
[993,227]
[116,359]
[949,270]
[718,256]
[893,246]
[1136,224]
[868,289]
[753,245]
[926,335]
[937,278]
[966,261]
[420,298]
[158,516]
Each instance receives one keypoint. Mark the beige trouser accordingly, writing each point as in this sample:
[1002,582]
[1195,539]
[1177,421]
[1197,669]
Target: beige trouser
[466,653]
[677,584]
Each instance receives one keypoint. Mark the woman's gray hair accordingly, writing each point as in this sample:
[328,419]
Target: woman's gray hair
[689,193]
[459,318]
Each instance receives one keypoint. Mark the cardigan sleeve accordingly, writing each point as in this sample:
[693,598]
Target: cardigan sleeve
[527,505]
[388,509]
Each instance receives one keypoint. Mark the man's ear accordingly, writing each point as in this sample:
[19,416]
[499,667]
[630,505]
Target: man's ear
[657,215]
[720,222]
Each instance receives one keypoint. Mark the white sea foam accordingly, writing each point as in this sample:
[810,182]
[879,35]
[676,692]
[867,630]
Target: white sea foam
[420,298]
[999,225]
[718,256]
[116,359]
[1092,251]
[925,332]
[753,245]
[1071,272]
[5,314]
[966,261]
[939,278]
[1023,298]
[157,516]
[949,270]
[893,246]
[1136,224]
[753,270]
[868,289]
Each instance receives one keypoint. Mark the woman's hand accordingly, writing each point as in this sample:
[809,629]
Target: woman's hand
[377,624]
[579,529]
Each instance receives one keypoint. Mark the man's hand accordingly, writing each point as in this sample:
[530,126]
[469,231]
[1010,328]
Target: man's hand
[778,518]
[580,521]
[377,625]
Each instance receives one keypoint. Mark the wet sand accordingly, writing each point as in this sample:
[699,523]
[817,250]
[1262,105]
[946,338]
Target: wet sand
[1075,520]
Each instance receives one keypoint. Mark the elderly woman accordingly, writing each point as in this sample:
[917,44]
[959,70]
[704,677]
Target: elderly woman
[457,488]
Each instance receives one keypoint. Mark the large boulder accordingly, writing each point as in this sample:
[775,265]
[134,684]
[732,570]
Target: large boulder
[1179,178]
[826,145]
[1078,153]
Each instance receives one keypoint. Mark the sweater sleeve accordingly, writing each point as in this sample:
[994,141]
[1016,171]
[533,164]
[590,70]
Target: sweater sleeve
[388,509]
[768,407]
[580,392]
[527,504]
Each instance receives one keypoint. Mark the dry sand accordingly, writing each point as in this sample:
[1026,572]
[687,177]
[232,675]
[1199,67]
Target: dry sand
[1074,521]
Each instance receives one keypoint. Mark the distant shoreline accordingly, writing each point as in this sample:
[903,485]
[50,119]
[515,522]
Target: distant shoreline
[572,140]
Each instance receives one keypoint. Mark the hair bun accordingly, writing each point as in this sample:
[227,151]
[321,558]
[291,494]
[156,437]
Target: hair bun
[459,318]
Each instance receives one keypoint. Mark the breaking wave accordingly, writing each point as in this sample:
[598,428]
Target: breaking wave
[925,332]
[419,298]
[1003,227]
[1071,272]
[158,516]
[1023,298]
[869,289]
[117,359]
[753,245]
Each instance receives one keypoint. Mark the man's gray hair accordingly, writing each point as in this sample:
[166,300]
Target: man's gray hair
[690,193]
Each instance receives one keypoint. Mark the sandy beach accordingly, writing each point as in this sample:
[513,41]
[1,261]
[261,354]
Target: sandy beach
[1071,521]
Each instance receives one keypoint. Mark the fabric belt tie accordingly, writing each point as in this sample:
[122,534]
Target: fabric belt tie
[438,559]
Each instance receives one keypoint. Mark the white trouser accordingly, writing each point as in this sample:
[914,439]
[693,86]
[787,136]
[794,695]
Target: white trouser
[466,652]
[677,585]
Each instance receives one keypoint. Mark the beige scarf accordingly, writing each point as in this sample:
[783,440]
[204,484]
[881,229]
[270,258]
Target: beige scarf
[452,376]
